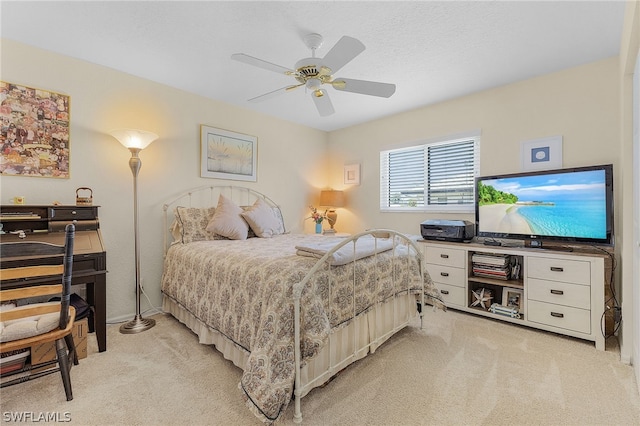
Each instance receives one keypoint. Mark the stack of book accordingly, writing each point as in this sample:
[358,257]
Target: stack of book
[496,266]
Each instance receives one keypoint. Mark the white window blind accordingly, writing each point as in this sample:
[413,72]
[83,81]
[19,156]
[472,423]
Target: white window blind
[430,177]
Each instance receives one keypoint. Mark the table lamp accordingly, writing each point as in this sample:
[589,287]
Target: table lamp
[331,199]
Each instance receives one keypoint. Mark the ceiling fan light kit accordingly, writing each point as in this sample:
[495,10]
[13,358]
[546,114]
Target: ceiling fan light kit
[313,72]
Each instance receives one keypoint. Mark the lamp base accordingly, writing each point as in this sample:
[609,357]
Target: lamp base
[137,325]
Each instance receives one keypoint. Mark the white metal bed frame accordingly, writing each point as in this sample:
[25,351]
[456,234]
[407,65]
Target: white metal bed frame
[246,196]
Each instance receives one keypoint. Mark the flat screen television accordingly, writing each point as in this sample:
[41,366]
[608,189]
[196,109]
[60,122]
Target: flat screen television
[571,205]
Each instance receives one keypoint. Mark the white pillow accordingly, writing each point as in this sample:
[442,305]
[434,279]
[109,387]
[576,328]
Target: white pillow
[227,220]
[262,220]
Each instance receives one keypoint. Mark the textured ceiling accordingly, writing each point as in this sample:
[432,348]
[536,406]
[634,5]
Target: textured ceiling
[432,51]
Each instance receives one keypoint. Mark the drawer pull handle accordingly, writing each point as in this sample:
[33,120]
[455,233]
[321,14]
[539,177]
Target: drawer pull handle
[444,291]
[557,269]
[444,256]
[557,315]
[74,212]
[558,292]
[444,274]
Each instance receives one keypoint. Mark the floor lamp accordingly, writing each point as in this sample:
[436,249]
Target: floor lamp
[135,141]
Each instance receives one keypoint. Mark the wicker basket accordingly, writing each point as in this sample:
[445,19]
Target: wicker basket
[84,201]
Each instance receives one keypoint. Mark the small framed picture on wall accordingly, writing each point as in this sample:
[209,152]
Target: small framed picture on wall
[541,154]
[352,174]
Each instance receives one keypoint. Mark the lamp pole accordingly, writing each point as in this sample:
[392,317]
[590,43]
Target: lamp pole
[137,324]
[135,141]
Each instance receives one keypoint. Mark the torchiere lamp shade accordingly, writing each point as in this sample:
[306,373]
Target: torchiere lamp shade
[133,138]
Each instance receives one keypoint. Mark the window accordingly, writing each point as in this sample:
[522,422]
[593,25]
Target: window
[436,176]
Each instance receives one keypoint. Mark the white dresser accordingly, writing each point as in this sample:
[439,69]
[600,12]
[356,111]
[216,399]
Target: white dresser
[562,292]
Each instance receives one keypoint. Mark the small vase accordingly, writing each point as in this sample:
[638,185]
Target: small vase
[319,228]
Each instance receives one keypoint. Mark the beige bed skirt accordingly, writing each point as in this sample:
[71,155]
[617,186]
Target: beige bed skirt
[346,344]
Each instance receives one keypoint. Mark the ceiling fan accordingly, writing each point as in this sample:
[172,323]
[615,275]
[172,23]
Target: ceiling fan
[314,72]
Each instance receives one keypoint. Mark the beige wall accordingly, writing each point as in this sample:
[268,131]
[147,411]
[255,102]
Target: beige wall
[581,104]
[629,219]
[291,165]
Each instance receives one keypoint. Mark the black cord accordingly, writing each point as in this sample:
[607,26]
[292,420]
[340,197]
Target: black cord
[616,305]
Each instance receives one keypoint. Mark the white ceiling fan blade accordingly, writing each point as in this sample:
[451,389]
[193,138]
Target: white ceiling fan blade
[273,93]
[322,101]
[241,57]
[344,51]
[364,87]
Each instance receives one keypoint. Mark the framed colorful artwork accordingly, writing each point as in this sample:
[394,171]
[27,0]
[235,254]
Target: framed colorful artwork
[34,136]
[228,155]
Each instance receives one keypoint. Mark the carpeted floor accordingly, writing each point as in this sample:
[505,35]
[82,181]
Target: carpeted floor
[458,370]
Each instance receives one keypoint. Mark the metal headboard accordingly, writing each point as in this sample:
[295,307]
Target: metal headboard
[207,196]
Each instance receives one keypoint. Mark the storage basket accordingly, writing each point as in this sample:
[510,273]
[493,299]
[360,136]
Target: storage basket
[84,201]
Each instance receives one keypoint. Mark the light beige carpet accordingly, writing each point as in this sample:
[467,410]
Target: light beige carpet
[459,370]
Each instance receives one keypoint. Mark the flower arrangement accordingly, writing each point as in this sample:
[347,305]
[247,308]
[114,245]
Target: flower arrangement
[317,217]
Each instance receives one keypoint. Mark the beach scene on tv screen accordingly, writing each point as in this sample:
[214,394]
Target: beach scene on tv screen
[569,205]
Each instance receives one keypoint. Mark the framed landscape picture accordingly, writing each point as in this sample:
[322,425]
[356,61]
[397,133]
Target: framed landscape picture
[228,155]
[34,136]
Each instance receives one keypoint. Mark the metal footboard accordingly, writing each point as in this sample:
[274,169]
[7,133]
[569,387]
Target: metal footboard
[404,250]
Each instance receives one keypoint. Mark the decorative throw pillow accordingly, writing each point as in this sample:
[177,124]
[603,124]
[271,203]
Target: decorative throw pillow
[190,224]
[262,220]
[278,214]
[227,220]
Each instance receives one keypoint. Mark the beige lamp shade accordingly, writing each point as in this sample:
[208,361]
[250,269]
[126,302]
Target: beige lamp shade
[331,198]
[133,138]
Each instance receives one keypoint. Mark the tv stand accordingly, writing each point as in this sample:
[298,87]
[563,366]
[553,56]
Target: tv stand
[547,289]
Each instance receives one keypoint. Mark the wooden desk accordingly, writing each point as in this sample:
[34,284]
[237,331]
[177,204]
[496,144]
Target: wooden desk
[89,256]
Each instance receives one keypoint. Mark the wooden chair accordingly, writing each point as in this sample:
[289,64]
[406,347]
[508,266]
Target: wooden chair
[32,323]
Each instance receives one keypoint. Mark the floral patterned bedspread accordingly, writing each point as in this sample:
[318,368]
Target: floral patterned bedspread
[243,289]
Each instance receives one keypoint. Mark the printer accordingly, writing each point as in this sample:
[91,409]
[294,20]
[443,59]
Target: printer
[447,230]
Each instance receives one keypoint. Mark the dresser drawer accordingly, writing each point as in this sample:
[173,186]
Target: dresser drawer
[446,275]
[575,295]
[451,295]
[570,271]
[81,225]
[559,316]
[446,256]
[63,213]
